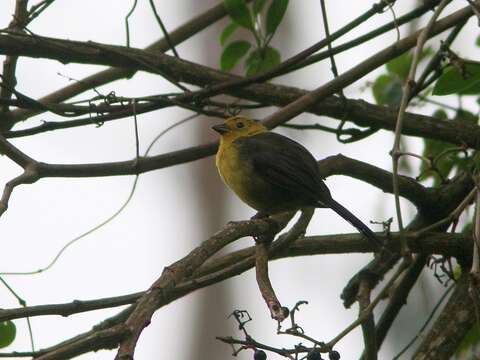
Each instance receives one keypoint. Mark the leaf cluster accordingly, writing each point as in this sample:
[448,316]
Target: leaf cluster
[259,55]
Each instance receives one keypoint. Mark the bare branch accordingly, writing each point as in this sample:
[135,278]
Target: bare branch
[20,19]
[398,297]
[368,326]
[67,51]
[103,339]
[177,272]
[424,34]
[177,36]
[456,318]
[66,309]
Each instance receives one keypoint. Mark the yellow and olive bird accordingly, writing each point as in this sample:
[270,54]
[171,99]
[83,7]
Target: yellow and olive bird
[272,173]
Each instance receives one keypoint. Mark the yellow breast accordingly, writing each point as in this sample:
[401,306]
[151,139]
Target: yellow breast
[228,164]
[236,173]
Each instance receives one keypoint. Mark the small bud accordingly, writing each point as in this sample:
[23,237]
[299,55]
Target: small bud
[314,355]
[259,355]
[334,355]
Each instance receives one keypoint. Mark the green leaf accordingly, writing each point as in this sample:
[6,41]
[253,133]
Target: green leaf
[260,61]
[440,114]
[476,162]
[233,53]
[466,117]
[457,270]
[275,15]
[239,12]
[387,90]
[229,30]
[8,331]
[472,90]
[467,230]
[258,6]
[464,81]
[401,64]
[477,41]
[426,52]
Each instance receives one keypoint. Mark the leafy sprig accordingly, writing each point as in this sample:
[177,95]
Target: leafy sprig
[262,25]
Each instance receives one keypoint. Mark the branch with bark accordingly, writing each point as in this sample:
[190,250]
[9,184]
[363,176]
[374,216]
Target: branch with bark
[437,207]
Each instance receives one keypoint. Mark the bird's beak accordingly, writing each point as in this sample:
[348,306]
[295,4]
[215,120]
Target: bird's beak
[221,128]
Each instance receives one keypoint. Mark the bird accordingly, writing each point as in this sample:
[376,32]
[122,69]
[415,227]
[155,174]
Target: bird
[273,173]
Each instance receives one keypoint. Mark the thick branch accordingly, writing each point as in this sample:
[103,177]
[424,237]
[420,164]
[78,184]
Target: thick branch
[456,318]
[357,111]
[103,339]
[368,326]
[74,307]
[177,36]
[180,270]
[398,297]
[456,245]
[19,21]
[241,261]
[341,165]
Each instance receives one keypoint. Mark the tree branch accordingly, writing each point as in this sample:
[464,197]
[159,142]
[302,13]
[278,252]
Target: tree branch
[177,272]
[66,309]
[204,76]
[455,320]
[17,24]
[240,261]
[177,36]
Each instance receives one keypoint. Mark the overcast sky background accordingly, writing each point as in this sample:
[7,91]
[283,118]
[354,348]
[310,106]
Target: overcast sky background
[161,223]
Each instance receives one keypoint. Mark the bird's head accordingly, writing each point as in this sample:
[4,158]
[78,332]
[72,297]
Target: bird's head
[239,126]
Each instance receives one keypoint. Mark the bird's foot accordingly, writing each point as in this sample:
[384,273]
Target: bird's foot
[272,225]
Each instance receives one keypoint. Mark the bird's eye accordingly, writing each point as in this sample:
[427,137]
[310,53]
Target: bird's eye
[240,125]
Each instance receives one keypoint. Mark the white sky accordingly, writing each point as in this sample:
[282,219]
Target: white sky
[159,225]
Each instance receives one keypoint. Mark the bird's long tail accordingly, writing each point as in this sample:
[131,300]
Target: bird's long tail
[352,219]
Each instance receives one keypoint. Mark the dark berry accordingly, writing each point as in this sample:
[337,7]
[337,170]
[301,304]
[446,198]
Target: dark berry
[314,355]
[285,311]
[334,355]
[259,355]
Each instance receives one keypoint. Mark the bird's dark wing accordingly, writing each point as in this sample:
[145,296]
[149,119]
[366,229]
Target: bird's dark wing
[287,166]
[284,163]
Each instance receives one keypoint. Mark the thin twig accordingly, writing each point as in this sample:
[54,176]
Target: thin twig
[475,268]
[108,219]
[452,216]
[326,245]
[67,309]
[421,10]
[164,30]
[368,326]
[367,311]
[397,297]
[354,134]
[180,34]
[425,324]
[329,45]
[22,303]
[179,271]
[433,67]
[127,25]
[37,9]
[449,326]
[408,87]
